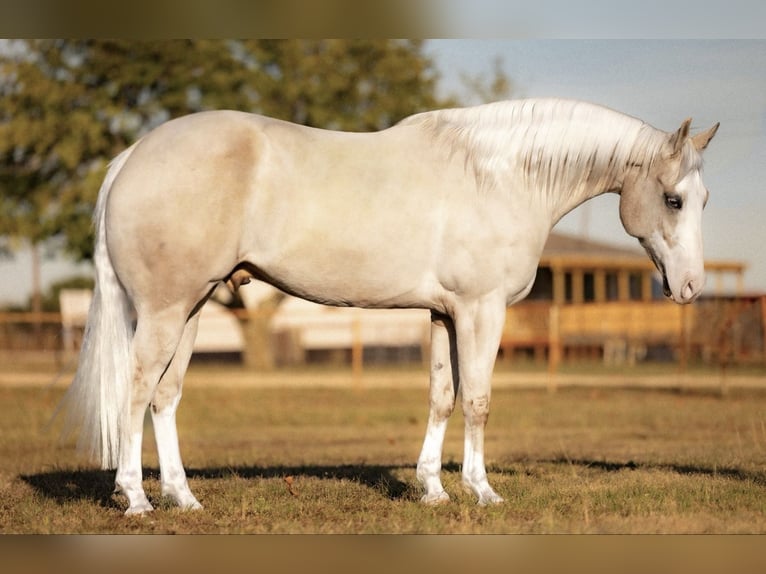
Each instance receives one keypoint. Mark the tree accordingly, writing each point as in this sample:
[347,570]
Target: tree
[39,154]
[345,84]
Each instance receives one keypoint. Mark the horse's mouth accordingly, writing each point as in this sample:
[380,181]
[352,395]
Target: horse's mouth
[660,267]
[665,285]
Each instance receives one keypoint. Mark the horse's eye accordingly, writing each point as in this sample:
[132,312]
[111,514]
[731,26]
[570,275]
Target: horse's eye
[673,201]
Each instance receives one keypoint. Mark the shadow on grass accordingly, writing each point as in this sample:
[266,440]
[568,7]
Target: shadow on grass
[381,478]
[68,485]
[757,478]
[98,485]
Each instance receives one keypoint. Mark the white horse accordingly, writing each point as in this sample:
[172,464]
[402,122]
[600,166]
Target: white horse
[448,211]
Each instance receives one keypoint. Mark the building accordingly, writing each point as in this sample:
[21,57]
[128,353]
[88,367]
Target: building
[598,300]
[577,270]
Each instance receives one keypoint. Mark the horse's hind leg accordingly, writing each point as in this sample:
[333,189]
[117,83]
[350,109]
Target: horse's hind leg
[444,383]
[163,407]
[158,333]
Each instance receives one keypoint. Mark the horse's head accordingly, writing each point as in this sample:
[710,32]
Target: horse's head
[661,204]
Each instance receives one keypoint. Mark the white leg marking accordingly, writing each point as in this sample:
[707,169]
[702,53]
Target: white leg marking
[128,479]
[173,475]
[430,462]
[474,471]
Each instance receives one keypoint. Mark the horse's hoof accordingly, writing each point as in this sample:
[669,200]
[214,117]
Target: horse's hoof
[491,500]
[139,509]
[435,499]
[183,500]
[195,505]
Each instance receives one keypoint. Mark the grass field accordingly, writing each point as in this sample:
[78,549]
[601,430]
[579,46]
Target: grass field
[339,460]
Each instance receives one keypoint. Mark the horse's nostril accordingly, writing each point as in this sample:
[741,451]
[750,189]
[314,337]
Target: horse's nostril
[688,292]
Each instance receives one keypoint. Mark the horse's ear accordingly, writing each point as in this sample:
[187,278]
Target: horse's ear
[678,139]
[701,139]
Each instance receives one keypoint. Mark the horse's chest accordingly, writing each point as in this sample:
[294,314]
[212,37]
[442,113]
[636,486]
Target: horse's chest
[520,259]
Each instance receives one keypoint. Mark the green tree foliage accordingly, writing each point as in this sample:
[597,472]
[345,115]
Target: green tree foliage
[68,106]
[345,84]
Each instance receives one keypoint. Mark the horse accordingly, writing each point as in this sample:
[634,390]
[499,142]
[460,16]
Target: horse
[447,210]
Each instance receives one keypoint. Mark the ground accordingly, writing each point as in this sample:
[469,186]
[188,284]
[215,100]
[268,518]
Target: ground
[315,451]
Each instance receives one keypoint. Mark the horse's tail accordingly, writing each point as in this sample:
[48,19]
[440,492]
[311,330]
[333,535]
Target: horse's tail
[99,397]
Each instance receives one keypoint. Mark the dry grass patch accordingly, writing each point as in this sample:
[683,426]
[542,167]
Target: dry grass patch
[341,461]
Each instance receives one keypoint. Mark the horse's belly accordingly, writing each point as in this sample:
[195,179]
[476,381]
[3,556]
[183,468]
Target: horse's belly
[346,246]
[361,274]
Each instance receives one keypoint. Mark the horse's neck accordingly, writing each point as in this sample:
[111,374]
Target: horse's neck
[561,201]
[556,153]
[568,154]
[559,180]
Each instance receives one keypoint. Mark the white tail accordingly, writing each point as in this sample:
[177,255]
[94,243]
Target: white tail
[98,399]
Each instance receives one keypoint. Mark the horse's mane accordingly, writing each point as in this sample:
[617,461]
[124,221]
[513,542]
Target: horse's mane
[553,145]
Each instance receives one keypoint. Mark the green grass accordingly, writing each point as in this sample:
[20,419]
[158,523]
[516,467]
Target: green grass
[579,460]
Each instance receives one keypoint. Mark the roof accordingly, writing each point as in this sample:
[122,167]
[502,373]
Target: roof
[562,245]
[562,250]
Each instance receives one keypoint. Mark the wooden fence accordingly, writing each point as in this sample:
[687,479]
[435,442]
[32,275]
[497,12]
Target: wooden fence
[30,331]
[715,330]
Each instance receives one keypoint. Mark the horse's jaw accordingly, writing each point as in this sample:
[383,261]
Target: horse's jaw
[683,273]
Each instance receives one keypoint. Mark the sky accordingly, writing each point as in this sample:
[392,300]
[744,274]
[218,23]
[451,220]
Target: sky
[660,81]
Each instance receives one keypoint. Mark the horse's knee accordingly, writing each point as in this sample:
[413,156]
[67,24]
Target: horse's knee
[442,410]
[166,395]
[476,410]
[442,401]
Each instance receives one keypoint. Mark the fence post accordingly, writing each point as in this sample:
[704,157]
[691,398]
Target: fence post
[683,341]
[762,303]
[554,345]
[357,351]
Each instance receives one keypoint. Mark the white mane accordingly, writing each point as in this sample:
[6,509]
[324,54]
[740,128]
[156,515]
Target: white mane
[552,145]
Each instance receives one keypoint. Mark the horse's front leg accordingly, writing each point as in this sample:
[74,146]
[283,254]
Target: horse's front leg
[444,383]
[479,326]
